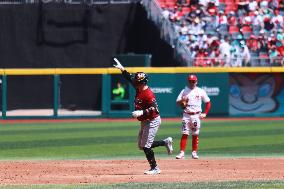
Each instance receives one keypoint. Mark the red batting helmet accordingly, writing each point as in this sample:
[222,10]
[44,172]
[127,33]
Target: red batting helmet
[192,77]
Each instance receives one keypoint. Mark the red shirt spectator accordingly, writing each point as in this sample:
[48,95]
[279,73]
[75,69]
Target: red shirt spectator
[252,43]
[212,9]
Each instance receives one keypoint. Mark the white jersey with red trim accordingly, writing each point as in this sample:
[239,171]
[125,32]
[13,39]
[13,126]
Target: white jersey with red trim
[195,97]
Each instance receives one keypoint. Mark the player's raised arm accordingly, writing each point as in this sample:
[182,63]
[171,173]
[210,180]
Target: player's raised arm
[128,76]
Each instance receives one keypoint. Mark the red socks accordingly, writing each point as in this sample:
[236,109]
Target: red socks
[183,142]
[195,142]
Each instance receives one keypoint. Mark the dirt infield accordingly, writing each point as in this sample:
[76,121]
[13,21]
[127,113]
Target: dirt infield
[123,171]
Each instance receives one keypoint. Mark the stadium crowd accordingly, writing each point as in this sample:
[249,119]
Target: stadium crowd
[229,32]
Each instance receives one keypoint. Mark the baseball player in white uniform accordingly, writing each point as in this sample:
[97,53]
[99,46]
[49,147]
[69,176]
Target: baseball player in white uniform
[190,99]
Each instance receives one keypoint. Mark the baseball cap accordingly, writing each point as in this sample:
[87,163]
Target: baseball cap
[192,77]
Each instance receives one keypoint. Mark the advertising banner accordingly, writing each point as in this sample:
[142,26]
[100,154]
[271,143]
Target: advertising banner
[256,94]
[168,86]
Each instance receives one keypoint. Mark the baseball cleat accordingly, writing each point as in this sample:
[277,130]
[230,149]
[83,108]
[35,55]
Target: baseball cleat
[154,171]
[180,155]
[169,145]
[194,155]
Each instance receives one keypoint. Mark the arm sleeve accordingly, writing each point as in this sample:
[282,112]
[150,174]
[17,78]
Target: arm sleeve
[205,97]
[207,107]
[153,108]
[128,76]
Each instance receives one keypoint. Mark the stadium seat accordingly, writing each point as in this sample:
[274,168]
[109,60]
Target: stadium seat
[234,31]
[185,10]
[223,30]
[230,7]
[246,31]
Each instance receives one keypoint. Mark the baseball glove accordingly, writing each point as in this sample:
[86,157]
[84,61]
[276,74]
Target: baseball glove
[183,103]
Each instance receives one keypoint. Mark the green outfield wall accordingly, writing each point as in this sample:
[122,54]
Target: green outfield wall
[233,91]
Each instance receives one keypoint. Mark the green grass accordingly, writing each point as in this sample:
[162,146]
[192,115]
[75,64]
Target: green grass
[194,185]
[118,139]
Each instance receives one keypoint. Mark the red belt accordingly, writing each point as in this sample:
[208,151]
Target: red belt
[193,113]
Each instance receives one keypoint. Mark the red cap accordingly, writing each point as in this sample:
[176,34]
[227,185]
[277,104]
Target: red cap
[192,77]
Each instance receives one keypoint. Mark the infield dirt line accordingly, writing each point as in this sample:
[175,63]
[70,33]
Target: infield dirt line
[125,171]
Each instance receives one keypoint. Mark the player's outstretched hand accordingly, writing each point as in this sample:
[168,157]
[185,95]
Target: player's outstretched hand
[137,113]
[202,115]
[118,65]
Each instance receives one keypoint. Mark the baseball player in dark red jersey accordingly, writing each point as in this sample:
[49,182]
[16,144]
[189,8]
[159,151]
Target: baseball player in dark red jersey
[146,111]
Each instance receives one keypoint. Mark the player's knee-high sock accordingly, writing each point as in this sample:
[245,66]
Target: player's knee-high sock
[150,157]
[158,143]
[195,141]
[183,142]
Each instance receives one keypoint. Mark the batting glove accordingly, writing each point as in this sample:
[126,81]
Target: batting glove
[137,113]
[119,66]
[202,115]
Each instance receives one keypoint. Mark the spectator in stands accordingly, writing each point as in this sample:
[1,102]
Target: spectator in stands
[183,39]
[236,60]
[277,19]
[245,54]
[166,13]
[211,8]
[224,49]
[222,18]
[271,41]
[174,16]
[268,24]
[232,19]
[202,40]
[274,56]
[196,26]
[182,2]
[215,58]
[273,4]
[253,5]
[253,44]
[200,58]
[183,28]
[281,7]
[257,22]
[260,22]
[243,7]
[280,35]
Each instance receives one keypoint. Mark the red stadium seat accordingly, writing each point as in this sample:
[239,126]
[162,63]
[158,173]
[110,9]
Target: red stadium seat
[246,30]
[185,10]
[230,7]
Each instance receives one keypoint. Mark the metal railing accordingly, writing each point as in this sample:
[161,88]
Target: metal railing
[168,32]
[238,62]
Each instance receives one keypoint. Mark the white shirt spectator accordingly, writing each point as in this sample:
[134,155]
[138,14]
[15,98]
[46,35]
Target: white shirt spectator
[204,2]
[223,19]
[253,5]
[166,13]
[278,18]
[225,53]
[245,54]
[184,30]
[257,20]
[195,28]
